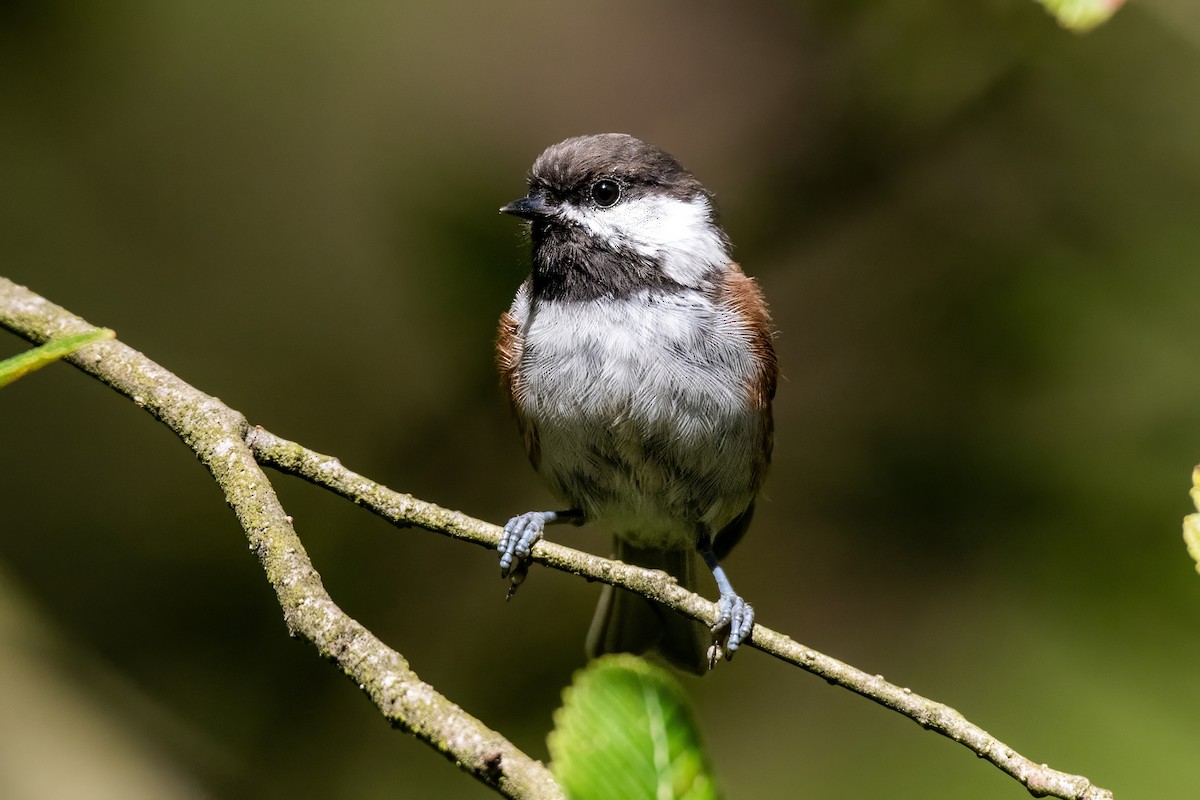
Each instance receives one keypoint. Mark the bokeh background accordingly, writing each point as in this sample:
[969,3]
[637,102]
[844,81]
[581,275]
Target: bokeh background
[980,237]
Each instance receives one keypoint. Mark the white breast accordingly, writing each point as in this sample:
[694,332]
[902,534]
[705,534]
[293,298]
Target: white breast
[641,411]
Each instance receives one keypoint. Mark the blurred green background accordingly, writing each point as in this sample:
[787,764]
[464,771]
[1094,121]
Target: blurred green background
[979,235]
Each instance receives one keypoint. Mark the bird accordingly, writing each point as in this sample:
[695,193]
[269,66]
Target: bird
[640,365]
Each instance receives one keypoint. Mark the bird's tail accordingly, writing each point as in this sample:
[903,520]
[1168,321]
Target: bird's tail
[629,623]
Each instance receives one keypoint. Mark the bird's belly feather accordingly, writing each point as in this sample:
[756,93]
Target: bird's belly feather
[641,413]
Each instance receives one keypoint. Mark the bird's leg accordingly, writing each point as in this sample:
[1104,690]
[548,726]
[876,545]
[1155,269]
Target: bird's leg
[521,533]
[733,612]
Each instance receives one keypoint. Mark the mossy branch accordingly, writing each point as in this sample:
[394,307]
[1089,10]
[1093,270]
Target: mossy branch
[406,510]
[233,451]
[217,434]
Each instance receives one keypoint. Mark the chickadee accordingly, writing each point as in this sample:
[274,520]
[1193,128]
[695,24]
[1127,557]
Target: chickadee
[639,361]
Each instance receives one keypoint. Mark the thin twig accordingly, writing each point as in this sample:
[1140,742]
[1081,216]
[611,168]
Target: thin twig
[229,448]
[217,434]
[406,510]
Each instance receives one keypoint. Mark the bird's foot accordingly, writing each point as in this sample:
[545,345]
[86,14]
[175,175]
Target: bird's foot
[521,533]
[736,616]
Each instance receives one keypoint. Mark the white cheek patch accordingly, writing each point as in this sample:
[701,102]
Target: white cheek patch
[676,233]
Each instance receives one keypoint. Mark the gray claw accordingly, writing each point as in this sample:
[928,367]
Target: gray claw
[737,615]
[521,533]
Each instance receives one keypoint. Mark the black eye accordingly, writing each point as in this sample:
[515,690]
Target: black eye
[606,193]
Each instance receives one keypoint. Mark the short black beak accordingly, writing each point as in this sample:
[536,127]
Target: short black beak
[532,207]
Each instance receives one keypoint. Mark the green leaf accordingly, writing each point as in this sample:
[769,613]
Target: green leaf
[1191,523]
[38,357]
[626,731]
[1082,15]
